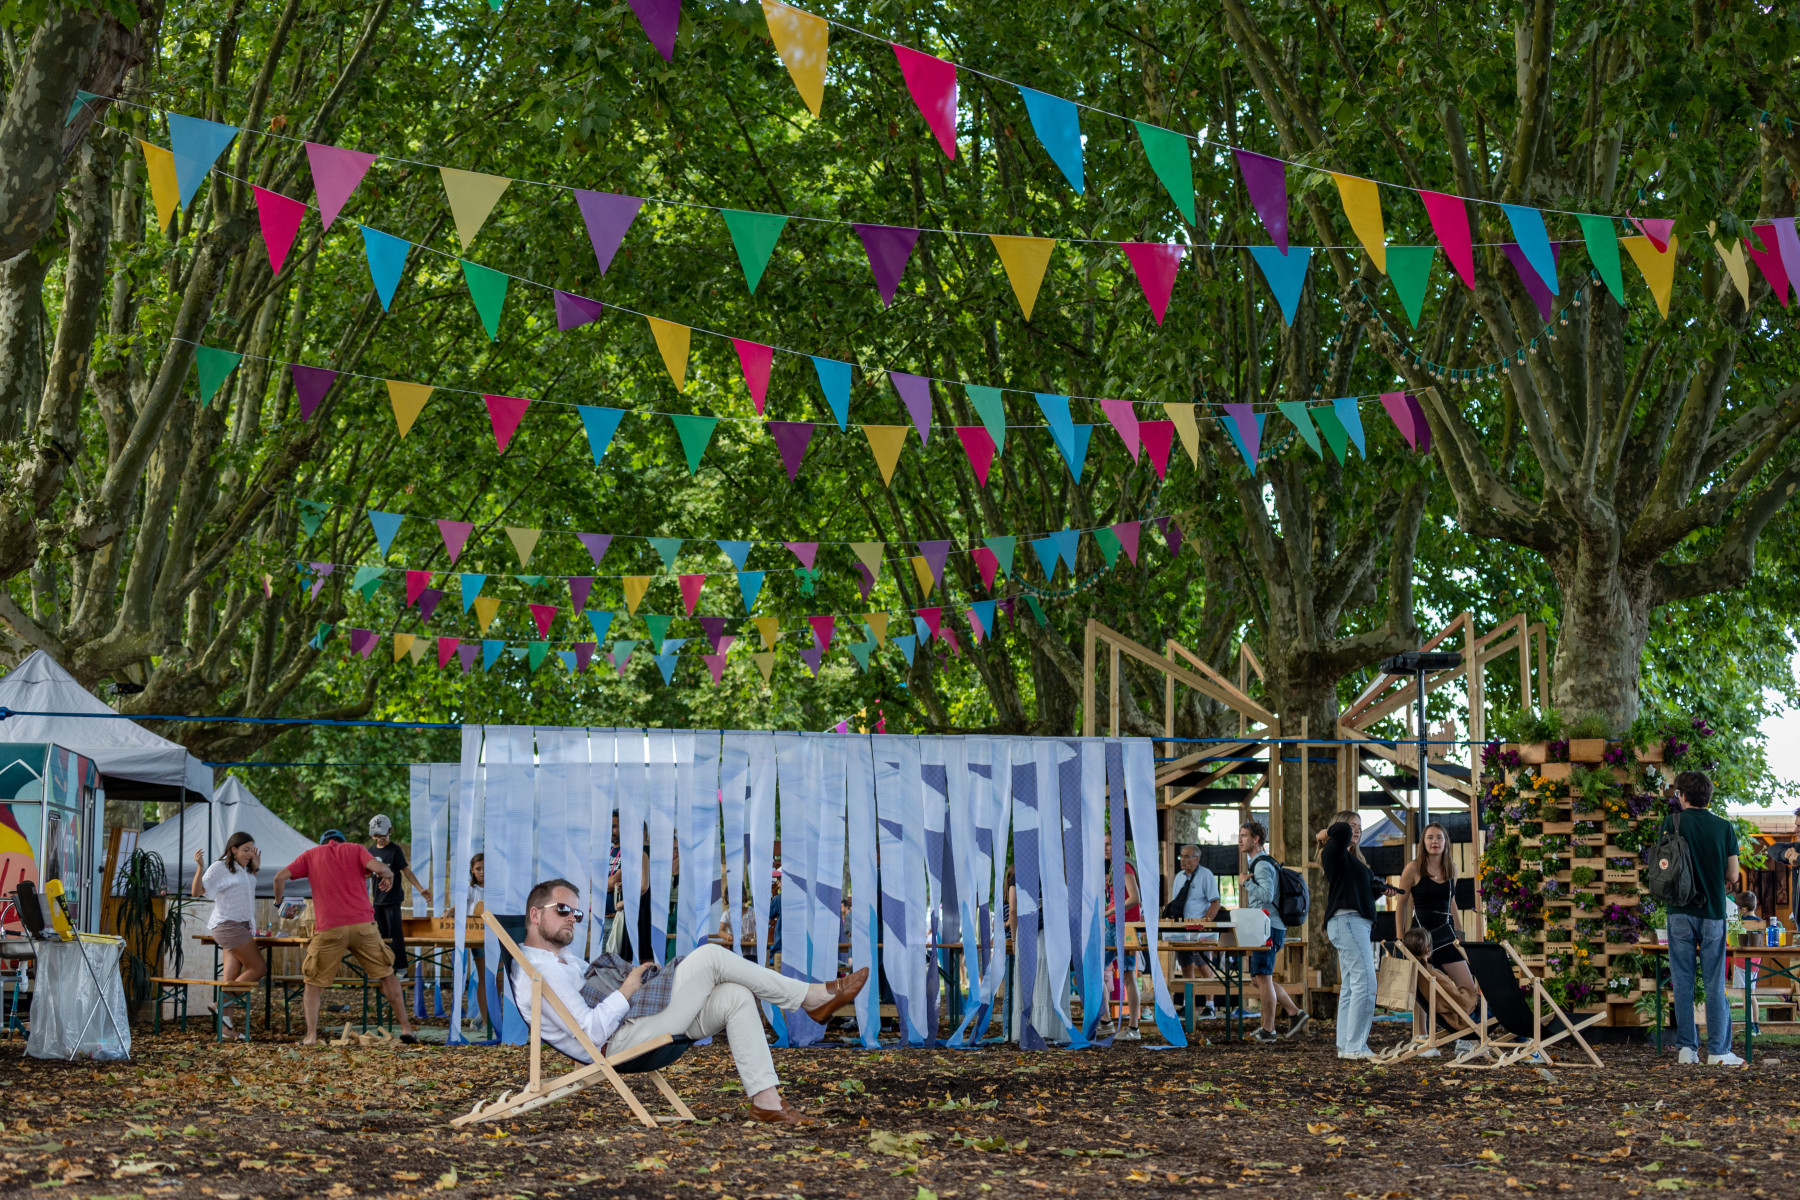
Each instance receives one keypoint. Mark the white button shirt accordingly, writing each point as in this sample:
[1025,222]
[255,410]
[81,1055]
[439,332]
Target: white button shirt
[565,976]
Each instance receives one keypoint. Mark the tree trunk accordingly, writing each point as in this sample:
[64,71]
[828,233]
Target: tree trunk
[1600,642]
[1317,701]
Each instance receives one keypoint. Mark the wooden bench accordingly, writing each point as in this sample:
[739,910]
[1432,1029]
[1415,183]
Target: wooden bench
[170,989]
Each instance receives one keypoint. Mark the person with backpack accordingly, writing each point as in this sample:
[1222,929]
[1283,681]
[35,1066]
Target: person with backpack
[1692,866]
[1266,885]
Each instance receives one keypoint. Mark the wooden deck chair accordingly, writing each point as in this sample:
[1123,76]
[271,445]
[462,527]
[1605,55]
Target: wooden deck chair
[645,1058]
[1523,1031]
[1437,1000]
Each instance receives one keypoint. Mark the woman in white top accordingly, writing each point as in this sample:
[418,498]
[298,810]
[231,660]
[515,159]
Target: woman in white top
[230,884]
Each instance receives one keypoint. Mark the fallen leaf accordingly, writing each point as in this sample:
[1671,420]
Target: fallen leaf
[1138,1176]
[446,1181]
[906,1145]
[1491,1155]
[1321,1127]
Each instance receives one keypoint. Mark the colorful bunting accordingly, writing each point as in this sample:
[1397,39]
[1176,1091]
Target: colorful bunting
[1295,410]
[386,256]
[749,586]
[691,586]
[1245,426]
[1657,265]
[165,191]
[695,433]
[1047,556]
[504,414]
[806,552]
[1659,230]
[471,588]
[908,644]
[596,544]
[802,41]
[1534,243]
[1002,548]
[1788,239]
[415,585]
[1068,543]
[279,218]
[1158,437]
[754,235]
[336,173]
[754,359]
[1057,123]
[1542,296]
[635,586]
[195,145]
[822,627]
[981,618]
[487,288]
[403,645]
[1336,436]
[1181,415]
[935,554]
[886,442]
[834,381]
[716,664]
[915,393]
[1155,264]
[672,343]
[621,654]
[1401,415]
[667,548]
[214,367]
[1127,534]
[1732,256]
[524,542]
[980,448]
[1109,544]
[932,84]
[660,19]
[737,552]
[769,629]
[1345,408]
[446,647]
[607,216]
[455,535]
[765,662]
[601,622]
[1265,181]
[1361,199]
[1123,415]
[991,408]
[466,655]
[491,650]
[600,424]
[367,581]
[1025,259]
[572,311]
[472,197]
[1768,259]
[408,400]
[1409,270]
[310,386]
[544,615]
[386,525]
[1168,153]
[1601,235]
[1285,273]
[791,438]
[1450,221]
[888,248]
[580,586]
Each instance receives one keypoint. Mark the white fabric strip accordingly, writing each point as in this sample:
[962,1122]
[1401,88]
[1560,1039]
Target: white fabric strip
[734,785]
[865,884]
[632,835]
[1140,798]
[458,890]
[659,805]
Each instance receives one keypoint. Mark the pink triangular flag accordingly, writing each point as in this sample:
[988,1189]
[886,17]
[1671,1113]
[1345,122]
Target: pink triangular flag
[690,591]
[947,634]
[931,617]
[1157,437]
[310,385]
[915,393]
[978,444]
[1450,221]
[806,552]
[822,628]
[320,571]
[280,217]
[1127,533]
[1123,415]
[932,82]
[416,582]
[1155,264]
[545,616]
[596,544]
[446,651]
[505,412]
[1401,415]
[988,563]
[579,587]
[1657,229]
[336,172]
[455,534]
[716,664]
[754,358]
[1768,260]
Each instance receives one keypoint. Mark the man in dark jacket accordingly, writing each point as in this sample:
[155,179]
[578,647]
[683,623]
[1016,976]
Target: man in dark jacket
[1787,855]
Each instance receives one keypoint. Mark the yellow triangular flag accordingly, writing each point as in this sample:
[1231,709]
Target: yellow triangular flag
[869,554]
[672,341]
[472,197]
[765,663]
[524,542]
[877,626]
[165,191]
[1185,425]
[1362,204]
[419,646]
[408,400]
[486,609]
[801,40]
[886,441]
[635,587]
[1733,258]
[922,572]
[769,628]
[403,644]
[1025,260]
[1658,269]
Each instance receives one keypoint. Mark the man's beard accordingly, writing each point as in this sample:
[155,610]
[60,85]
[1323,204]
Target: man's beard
[558,939]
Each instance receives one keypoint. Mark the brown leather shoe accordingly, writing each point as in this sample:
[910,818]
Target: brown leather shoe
[840,992]
[787,1114]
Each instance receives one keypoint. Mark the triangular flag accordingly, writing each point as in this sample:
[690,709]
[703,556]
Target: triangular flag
[607,216]
[1602,237]
[165,192]
[471,588]
[385,525]
[1534,243]
[1295,410]
[987,563]
[886,442]
[834,381]
[667,548]
[1155,264]
[596,544]
[1658,268]
[658,625]
[749,585]
[1336,436]
[822,628]
[1401,416]
[1074,452]
[908,644]
[1285,273]
[869,554]
[932,83]
[888,248]
[600,424]
[1168,154]
[979,447]
[933,618]
[1171,533]
[660,19]
[1658,229]
[1361,199]
[386,256]
[714,629]
[1265,179]
[531,580]
[472,197]
[362,641]
[415,585]
[1182,417]
[572,311]
[312,515]
[1056,415]
[214,368]
[196,145]
[1732,256]
[737,552]
[1767,259]
[601,622]
[621,654]
[336,172]
[1123,415]
[467,654]
[1421,426]
[695,432]
[935,554]
[915,393]
[491,650]
[1158,437]
[504,414]
[1003,548]
[878,626]
[1068,544]
[455,535]
[1025,259]
[1533,283]
[419,647]
[1045,549]
[754,358]
[403,645]
[769,629]
[981,613]
[991,408]
[802,41]
[861,651]
[1127,533]
[690,591]
[635,587]
[310,386]
[1351,419]
[1245,427]
[524,541]
[579,588]
[1409,270]
[487,288]
[545,616]
[368,581]
[584,655]
[1057,123]
[765,662]
[320,572]
[672,344]
[791,438]
[408,400]
[446,650]
[865,580]
[1787,237]
[754,235]
[486,609]
[279,218]
[1450,221]
[81,101]
[716,664]
[922,572]
[537,652]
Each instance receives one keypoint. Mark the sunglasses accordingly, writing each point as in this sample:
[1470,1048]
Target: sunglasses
[563,910]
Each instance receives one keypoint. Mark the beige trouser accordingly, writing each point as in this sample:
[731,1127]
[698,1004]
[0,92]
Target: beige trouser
[716,991]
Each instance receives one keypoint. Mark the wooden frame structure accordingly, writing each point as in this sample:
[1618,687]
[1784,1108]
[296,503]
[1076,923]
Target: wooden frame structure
[1436,1035]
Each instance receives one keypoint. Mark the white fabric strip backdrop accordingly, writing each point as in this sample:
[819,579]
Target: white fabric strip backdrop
[918,829]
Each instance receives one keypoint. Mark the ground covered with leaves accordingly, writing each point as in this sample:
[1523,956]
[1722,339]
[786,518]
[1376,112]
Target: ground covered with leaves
[189,1118]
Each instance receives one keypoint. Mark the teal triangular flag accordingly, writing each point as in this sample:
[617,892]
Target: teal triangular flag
[386,525]
[1057,123]
[487,288]
[1345,407]
[1603,250]
[601,621]
[196,145]
[387,259]
[471,588]
[1168,155]
[1068,544]
[81,98]
[1045,549]
[1285,273]
[907,643]
[991,409]
[666,664]
[536,652]
[530,580]
[754,235]
[312,515]
[984,612]
[1336,436]
[1237,438]
[1409,269]
[490,652]
[668,548]
[658,626]
[737,552]
[1295,411]
[834,381]
[568,657]
[860,651]
[622,653]
[1109,545]
[518,651]
[322,635]
[1534,241]
[750,583]
[367,580]
[1037,610]
[601,424]
[215,367]
[1003,548]
[695,432]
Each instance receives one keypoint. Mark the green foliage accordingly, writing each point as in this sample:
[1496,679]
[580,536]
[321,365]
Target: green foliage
[1590,726]
[1594,784]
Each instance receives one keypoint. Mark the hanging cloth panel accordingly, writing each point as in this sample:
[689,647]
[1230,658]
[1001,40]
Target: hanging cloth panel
[659,805]
[631,782]
[828,860]
[697,817]
[960,803]
[940,877]
[902,880]
[759,833]
[865,883]
[603,775]
[418,795]
[445,793]
[511,784]
[565,808]
[734,786]
[796,785]
[1059,769]
[1090,879]
[989,772]
[1027,862]
[1140,798]
[468,778]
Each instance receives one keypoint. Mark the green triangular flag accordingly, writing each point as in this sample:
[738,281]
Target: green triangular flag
[326,629]
[861,651]
[754,234]
[312,515]
[1335,434]
[1037,610]
[537,652]
[530,580]
[367,580]
[658,627]
[1295,411]
[1409,267]
[487,288]
[215,367]
[81,98]
[1168,155]
[695,433]
[1109,545]
[992,411]
[1603,248]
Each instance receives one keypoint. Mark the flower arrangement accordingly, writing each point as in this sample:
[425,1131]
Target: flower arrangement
[1496,757]
[1620,862]
[1558,750]
[1581,877]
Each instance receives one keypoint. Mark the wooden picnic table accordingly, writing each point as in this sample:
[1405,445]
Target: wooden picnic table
[1774,960]
[266,942]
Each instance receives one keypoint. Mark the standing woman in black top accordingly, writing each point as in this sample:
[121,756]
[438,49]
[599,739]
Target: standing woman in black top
[1351,890]
[1430,882]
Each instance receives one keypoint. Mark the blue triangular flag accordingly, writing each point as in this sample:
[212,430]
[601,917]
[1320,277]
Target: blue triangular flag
[1345,408]
[568,657]
[1056,415]
[387,259]
[668,548]
[601,621]
[1534,242]
[984,612]
[671,645]
[196,145]
[1237,438]
[1068,542]
[907,644]
[737,552]
[491,649]
[471,588]
[666,664]
[1285,273]
[834,380]
[1074,452]
[750,584]
[386,525]
[601,424]
[1058,126]
[921,629]
[1045,548]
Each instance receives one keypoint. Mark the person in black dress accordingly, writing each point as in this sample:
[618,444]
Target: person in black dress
[1430,884]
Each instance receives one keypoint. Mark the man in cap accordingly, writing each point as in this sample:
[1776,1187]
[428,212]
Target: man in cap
[387,903]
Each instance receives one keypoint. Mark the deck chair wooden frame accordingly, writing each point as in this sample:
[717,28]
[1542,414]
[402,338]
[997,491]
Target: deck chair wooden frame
[1507,1048]
[1434,1037]
[539,1091]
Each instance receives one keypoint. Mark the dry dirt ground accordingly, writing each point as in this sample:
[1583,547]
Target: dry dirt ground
[190,1118]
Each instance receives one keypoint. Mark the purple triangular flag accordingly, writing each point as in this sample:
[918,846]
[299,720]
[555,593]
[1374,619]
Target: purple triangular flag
[584,654]
[934,554]
[428,602]
[806,552]
[579,587]
[866,581]
[714,628]
[608,216]
[888,248]
[791,438]
[573,310]
[467,652]
[915,393]
[815,657]
[1421,427]
[1534,283]
[311,384]
[1171,533]
[362,641]
[660,19]
[1249,429]
[596,544]
[1266,180]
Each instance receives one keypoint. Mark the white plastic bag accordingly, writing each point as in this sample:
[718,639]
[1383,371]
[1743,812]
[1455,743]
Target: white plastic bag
[78,1008]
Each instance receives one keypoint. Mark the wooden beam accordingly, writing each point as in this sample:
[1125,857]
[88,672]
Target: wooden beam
[1087,679]
[1182,675]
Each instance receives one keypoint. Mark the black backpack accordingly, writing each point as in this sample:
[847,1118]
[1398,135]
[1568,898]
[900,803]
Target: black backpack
[1292,896]
[1670,874]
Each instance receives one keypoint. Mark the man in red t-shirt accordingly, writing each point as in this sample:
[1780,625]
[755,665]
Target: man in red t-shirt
[344,923]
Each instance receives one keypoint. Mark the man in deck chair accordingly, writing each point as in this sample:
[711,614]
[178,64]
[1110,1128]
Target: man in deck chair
[698,995]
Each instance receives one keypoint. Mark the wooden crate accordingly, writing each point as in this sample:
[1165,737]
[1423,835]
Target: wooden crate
[1619,876]
[1554,772]
[1587,750]
[1534,753]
